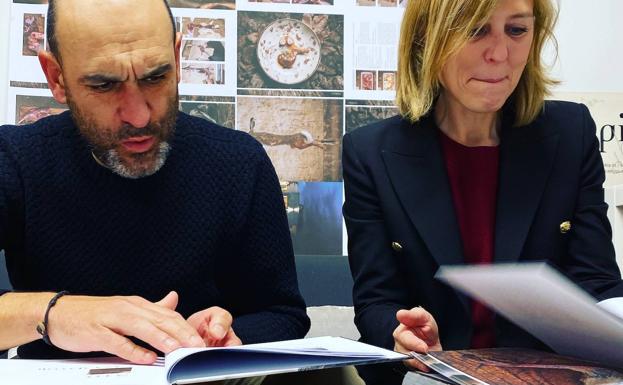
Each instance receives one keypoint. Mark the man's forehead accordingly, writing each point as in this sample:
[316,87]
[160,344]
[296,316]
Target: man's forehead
[112,21]
[105,7]
[114,34]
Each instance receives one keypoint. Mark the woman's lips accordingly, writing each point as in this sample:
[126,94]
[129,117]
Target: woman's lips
[138,144]
[491,80]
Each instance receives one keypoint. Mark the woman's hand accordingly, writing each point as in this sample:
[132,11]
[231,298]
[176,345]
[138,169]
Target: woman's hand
[417,332]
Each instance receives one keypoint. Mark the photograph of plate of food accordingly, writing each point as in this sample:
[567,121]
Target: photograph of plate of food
[288,51]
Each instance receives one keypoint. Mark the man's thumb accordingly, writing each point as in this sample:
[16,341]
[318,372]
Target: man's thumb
[169,301]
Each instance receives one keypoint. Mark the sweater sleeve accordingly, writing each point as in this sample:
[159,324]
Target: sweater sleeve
[9,187]
[267,304]
[10,193]
[5,177]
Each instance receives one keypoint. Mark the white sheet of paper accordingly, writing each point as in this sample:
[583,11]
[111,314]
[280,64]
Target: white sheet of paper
[613,305]
[64,372]
[546,304]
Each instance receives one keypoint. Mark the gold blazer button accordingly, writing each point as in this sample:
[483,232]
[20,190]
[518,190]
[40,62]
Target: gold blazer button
[397,246]
[565,227]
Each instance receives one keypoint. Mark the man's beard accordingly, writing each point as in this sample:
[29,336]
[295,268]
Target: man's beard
[103,141]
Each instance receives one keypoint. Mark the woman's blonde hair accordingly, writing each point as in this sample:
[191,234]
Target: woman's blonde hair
[433,30]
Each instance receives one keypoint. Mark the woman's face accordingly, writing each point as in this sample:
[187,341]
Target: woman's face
[483,74]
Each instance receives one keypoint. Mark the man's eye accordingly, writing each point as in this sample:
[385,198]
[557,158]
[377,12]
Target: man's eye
[154,79]
[102,87]
[516,31]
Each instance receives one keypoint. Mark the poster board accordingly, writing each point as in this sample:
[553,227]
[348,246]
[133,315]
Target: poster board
[227,79]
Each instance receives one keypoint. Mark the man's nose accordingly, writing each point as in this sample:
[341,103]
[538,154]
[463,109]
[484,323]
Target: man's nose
[134,109]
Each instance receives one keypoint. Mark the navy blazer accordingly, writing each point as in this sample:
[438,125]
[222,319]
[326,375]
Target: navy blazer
[397,190]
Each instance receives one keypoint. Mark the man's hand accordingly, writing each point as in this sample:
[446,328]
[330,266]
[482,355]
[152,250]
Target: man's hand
[417,332]
[214,326]
[84,324]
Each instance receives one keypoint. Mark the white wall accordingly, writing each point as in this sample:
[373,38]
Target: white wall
[590,48]
[590,38]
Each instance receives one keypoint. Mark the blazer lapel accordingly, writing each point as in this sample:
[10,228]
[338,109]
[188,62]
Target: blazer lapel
[418,175]
[526,160]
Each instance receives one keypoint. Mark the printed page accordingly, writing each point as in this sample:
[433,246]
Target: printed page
[325,346]
[371,52]
[448,372]
[546,304]
[510,366]
[100,371]
[209,364]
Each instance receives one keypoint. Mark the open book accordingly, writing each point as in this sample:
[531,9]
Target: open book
[187,366]
[192,365]
[514,367]
[548,305]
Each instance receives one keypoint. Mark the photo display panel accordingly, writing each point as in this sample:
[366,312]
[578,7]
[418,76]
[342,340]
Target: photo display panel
[294,74]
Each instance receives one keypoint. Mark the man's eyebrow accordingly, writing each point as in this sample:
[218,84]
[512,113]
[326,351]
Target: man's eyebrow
[99,79]
[160,70]
[108,78]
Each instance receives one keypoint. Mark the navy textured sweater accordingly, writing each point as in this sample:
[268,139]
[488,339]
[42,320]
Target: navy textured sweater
[209,224]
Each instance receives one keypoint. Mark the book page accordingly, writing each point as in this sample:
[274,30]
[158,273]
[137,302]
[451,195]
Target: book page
[96,371]
[613,306]
[448,372]
[510,366]
[192,365]
[547,305]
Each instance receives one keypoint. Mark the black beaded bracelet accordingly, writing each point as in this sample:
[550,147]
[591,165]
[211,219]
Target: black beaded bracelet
[42,327]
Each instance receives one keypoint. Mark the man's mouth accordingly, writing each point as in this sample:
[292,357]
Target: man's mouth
[138,144]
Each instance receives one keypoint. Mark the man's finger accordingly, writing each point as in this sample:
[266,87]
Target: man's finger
[217,329]
[121,346]
[181,331]
[231,339]
[169,301]
[147,331]
[213,323]
[153,324]
[219,323]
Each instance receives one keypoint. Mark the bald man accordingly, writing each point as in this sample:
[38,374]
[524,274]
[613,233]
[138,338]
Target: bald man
[129,227]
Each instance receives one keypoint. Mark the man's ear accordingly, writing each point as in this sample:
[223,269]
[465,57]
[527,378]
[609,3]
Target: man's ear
[178,44]
[53,73]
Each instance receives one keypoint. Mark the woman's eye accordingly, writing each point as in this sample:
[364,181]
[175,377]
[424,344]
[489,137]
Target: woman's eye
[478,32]
[516,31]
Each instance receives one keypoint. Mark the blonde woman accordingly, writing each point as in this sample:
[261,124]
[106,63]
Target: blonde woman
[477,168]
